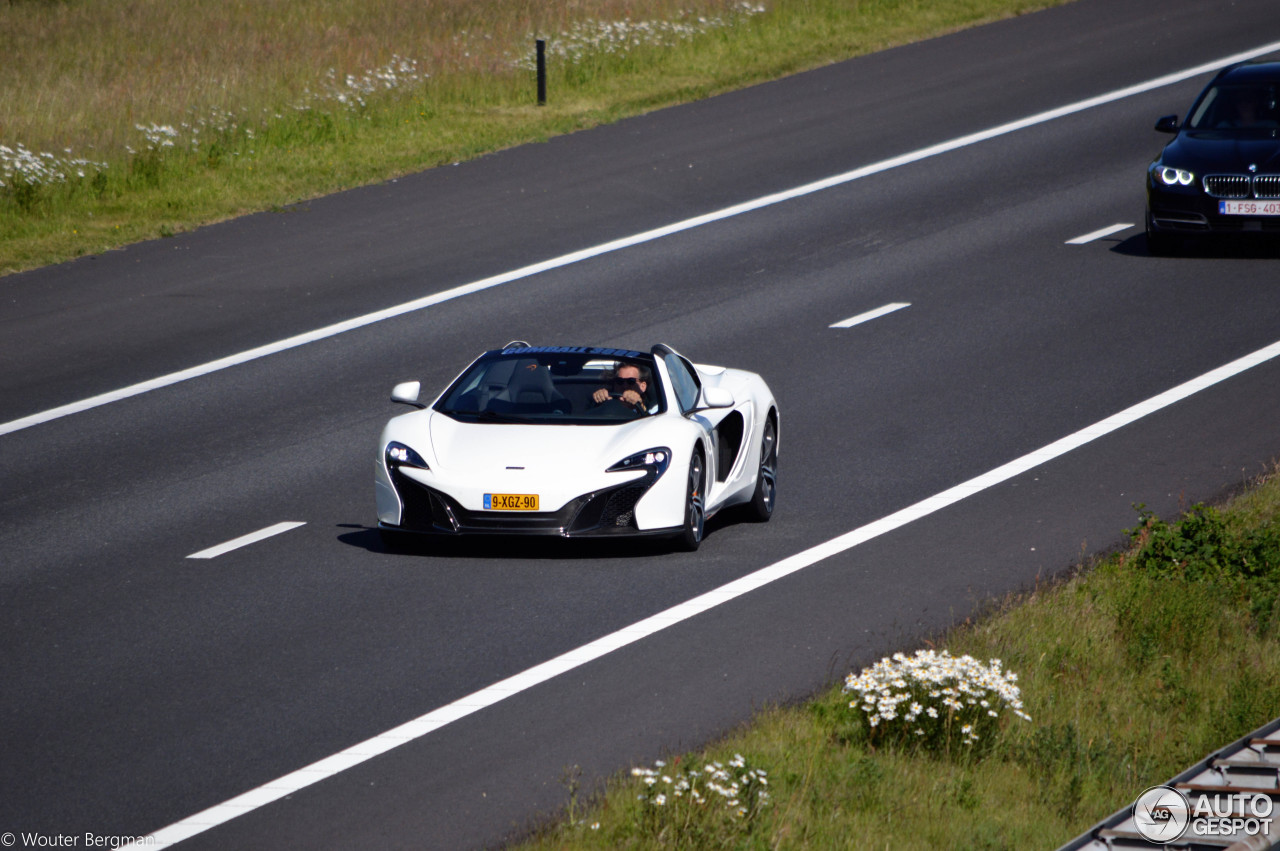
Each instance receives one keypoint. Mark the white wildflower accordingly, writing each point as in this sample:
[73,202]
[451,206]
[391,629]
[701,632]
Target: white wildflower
[591,38]
[897,692]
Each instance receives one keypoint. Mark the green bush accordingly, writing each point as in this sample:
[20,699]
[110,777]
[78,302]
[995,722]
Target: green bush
[1204,547]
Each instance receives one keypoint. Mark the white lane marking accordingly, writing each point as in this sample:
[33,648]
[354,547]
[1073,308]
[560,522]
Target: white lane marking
[870,314]
[552,668]
[246,540]
[1099,234]
[627,242]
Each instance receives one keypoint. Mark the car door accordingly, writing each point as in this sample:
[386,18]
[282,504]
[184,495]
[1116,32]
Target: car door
[687,388]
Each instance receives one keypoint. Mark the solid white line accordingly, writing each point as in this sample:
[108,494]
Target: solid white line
[626,242]
[1099,234]
[246,540]
[552,668]
[870,314]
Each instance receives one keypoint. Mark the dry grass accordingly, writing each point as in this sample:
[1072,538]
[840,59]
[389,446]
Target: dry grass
[121,120]
[81,74]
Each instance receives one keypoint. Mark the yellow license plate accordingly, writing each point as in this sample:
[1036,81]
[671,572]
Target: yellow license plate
[511,502]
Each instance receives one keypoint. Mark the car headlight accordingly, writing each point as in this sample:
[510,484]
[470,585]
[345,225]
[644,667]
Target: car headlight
[399,455]
[1170,176]
[655,461]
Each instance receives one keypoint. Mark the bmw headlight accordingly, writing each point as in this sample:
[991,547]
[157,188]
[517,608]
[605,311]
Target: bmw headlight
[1170,176]
[399,455]
[655,461]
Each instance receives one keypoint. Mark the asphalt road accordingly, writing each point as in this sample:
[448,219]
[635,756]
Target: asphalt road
[143,686]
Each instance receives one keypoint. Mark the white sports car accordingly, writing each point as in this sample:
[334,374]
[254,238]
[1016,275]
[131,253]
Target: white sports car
[579,441]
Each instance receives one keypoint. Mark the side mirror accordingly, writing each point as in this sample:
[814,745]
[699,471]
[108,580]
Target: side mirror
[716,397]
[407,393]
[1167,124]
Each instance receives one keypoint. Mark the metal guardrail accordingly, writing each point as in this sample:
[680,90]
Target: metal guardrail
[1248,767]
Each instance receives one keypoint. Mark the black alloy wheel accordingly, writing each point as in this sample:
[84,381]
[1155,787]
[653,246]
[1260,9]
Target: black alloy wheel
[767,477]
[695,505]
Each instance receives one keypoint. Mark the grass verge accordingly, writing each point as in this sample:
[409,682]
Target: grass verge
[1131,671]
[125,120]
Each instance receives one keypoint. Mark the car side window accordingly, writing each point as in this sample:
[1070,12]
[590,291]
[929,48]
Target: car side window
[684,381]
[1198,118]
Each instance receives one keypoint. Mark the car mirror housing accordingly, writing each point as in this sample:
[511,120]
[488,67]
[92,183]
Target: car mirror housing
[1167,124]
[716,397]
[406,393]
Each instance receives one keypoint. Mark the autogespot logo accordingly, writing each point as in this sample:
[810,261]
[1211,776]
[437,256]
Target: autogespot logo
[1161,814]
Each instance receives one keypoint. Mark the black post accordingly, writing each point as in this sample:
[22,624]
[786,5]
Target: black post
[542,72]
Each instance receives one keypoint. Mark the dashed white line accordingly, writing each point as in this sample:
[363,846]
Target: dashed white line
[870,314]
[552,668]
[636,239]
[246,540]
[1099,234]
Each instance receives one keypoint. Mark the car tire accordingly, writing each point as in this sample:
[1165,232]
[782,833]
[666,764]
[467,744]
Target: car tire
[695,513]
[762,501]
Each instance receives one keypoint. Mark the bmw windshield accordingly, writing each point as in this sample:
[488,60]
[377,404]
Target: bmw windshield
[555,386]
[1245,109]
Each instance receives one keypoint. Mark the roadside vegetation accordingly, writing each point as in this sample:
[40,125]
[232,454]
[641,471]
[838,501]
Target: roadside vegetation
[1020,729]
[124,120]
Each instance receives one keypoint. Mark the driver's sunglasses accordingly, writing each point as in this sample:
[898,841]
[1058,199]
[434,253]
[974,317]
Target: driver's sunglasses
[630,382]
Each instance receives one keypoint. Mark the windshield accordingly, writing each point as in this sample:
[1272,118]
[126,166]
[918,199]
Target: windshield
[1239,106]
[555,385]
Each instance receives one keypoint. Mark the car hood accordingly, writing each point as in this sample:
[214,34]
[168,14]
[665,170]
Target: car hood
[1210,151]
[490,447]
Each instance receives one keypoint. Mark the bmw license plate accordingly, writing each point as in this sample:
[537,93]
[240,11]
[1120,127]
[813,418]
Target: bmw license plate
[511,502]
[1249,208]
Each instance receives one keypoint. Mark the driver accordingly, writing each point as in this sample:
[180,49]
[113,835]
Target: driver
[1247,107]
[627,384]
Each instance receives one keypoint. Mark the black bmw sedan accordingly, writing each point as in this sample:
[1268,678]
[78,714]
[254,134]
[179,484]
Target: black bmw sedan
[1221,172]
